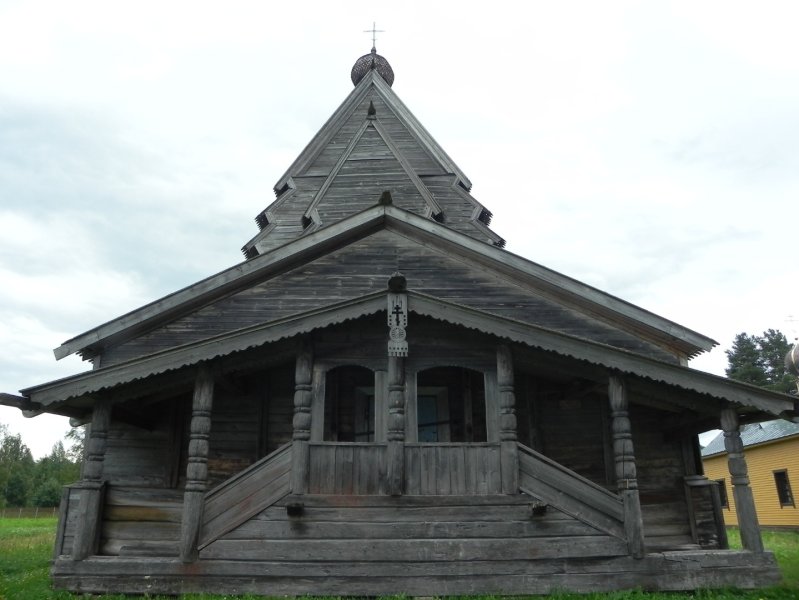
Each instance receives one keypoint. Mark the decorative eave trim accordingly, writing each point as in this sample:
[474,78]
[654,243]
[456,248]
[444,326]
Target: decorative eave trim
[609,357]
[210,348]
[601,354]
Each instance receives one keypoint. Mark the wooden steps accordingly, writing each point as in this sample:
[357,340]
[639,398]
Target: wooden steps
[246,494]
[569,492]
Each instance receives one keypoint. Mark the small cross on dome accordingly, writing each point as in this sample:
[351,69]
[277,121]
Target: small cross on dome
[374,31]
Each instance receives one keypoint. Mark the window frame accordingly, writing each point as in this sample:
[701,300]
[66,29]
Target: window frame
[784,492]
[724,499]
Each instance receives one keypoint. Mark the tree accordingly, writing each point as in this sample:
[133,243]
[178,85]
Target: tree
[760,360]
[16,471]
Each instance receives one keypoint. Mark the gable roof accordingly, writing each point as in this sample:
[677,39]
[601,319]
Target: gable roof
[753,434]
[498,261]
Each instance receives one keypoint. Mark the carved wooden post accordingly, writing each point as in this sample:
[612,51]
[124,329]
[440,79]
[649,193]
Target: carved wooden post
[92,487]
[744,501]
[395,469]
[397,351]
[509,449]
[303,398]
[197,468]
[624,457]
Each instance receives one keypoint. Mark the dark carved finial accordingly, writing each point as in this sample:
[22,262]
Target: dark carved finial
[385,199]
[372,110]
[397,283]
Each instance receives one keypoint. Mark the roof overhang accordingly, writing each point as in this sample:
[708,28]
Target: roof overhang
[613,359]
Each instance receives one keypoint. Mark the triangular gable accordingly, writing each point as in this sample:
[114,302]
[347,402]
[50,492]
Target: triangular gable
[370,164]
[567,291]
[355,269]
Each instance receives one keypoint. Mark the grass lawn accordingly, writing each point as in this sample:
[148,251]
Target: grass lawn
[26,546]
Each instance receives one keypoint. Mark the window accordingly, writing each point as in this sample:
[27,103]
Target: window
[725,503]
[349,405]
[783,488]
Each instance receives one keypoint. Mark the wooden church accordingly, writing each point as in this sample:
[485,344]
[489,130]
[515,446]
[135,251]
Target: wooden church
[381,400]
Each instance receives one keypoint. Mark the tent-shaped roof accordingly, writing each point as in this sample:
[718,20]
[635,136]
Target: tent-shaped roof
[371,143]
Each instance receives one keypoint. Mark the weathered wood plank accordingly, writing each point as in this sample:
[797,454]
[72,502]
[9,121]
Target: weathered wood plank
[306,528]
[414,550]
[675,564]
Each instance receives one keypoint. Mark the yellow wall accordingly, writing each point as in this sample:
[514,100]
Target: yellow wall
[762,461]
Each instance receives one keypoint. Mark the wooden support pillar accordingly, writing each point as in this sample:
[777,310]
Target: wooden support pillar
[397,313]
[509,447]
[624,458]
[303,398]
[395,452]
[739,475]
[92,487]
[197,467]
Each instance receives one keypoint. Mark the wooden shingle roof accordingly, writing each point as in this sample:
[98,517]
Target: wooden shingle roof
[371,144]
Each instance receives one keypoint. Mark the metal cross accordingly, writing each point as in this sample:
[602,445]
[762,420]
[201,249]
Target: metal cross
[374,31]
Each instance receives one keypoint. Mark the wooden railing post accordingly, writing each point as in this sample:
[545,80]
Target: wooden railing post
[509,449]
[624,458]
[92,487]
[739,476]
[303,398]
[197,467]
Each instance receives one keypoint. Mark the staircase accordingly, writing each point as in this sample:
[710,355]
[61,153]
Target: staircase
[570,493]
[246,494]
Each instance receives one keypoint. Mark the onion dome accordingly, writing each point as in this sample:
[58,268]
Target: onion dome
[372,61]
[792,361]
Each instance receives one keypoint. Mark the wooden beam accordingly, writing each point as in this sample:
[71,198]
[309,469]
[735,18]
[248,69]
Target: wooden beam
[92,487]
[395,453]
[509,450]
[624,455]
[197,468]
[302,423]
[739,476]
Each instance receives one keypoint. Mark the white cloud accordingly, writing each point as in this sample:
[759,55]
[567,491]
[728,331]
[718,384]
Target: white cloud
[647,149]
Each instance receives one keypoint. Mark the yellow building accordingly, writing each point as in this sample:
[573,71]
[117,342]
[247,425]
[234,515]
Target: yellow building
[772,455]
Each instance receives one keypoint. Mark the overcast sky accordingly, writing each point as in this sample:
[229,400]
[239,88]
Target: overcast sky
[650,149]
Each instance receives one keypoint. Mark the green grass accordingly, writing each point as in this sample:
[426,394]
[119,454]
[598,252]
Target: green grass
[26,547]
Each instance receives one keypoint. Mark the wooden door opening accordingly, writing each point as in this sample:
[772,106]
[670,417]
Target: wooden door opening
[349,405]
[450,405]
